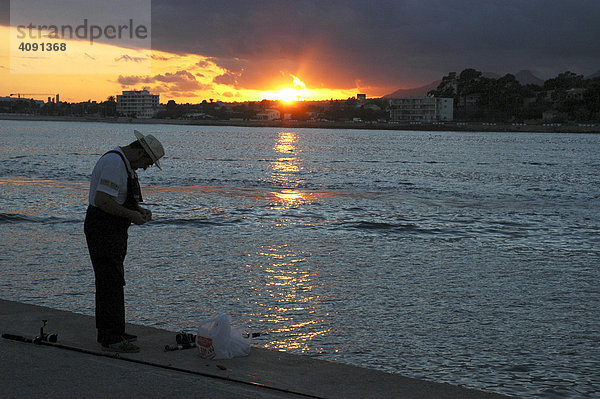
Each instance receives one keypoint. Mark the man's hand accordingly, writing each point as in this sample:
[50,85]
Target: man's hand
[108,204]
[137,218]
[146,214]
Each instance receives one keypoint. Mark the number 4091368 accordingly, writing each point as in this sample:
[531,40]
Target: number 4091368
[43,46]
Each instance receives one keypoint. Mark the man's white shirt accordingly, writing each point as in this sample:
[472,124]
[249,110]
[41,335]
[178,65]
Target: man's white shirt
[110,176]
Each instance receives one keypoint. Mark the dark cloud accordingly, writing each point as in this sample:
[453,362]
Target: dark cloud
[181,81]
[381,43]
[228,78]
[5,12]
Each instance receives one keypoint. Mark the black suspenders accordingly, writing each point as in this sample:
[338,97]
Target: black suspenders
[134,193]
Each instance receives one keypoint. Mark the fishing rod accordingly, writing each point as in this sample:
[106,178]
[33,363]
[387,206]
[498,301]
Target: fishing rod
[51,340]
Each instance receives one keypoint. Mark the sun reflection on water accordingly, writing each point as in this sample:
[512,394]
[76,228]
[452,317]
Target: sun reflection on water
[290,198]
[286,142]
[286,273]
[286,171]
[286,277]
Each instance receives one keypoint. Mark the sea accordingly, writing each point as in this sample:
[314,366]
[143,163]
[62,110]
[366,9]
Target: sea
[467,258]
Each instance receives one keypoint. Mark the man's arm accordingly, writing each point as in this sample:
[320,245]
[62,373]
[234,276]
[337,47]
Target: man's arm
[109,205]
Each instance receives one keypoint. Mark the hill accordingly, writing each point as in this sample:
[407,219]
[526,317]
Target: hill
[526,77]
[415,92]
[594,75]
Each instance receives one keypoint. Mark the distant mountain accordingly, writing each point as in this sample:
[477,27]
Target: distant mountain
[594,75]
[526,77]
[415,92]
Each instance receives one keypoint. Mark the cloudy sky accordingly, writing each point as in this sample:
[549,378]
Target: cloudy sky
[239,49]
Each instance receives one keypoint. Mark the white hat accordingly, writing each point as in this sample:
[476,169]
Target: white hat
[152,146]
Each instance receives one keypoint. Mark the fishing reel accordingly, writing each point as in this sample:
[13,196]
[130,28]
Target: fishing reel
[185,338]
[184,341]
[45,337]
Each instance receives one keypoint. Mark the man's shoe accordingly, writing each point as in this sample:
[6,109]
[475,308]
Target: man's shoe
[122,347]
[129,337]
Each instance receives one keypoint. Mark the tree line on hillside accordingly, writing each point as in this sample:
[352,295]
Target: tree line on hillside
[567,97]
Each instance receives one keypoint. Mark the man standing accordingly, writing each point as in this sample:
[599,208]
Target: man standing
[113,205]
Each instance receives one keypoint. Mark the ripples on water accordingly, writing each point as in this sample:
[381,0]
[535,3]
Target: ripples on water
[466,258]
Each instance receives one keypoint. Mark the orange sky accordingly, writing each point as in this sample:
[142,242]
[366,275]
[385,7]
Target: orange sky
[180,77]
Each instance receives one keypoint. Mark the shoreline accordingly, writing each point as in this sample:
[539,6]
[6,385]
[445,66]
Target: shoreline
[590,128]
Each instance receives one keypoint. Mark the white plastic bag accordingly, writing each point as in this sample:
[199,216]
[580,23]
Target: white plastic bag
[216,339]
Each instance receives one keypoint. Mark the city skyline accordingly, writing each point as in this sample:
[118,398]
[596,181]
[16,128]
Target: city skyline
[244,51]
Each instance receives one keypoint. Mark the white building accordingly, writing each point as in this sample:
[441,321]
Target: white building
[268,115]
[137,103]
[423,109]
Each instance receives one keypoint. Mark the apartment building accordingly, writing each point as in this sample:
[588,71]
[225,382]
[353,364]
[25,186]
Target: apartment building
[137,104]
[422,109]
[268,115]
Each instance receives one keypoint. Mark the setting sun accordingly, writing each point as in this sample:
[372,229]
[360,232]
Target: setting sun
[288,95]
[298,92]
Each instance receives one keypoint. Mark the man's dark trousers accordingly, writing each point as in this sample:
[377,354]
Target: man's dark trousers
[106,237]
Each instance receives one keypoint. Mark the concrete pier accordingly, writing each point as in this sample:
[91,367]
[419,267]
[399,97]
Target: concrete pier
[76,367]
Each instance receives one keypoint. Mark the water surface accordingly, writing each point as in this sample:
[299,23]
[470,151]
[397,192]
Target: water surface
[467,258]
